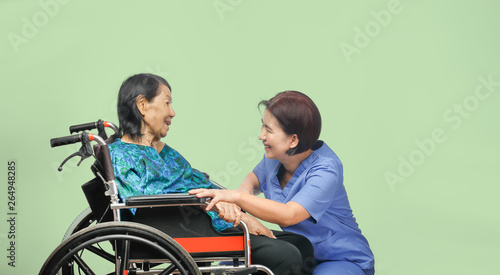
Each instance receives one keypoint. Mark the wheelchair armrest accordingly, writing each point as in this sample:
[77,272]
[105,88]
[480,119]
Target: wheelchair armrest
[164,199]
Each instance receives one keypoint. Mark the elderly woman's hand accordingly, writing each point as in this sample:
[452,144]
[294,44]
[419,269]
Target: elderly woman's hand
[229,212]
[257,228]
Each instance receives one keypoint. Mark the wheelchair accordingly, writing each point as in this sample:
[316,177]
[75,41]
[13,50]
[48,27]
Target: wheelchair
[169,233]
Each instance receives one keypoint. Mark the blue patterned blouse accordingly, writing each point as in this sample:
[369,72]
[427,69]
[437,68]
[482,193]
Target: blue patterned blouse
[141,170]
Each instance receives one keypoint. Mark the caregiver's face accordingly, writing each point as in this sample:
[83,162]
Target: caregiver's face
[276,141]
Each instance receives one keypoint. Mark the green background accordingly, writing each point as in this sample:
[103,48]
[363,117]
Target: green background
[403,79]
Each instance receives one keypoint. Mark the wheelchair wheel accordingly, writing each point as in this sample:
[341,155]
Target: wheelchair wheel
[82,221]
[105,249]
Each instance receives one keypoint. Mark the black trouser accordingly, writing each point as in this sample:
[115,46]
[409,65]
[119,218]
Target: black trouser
[289,254]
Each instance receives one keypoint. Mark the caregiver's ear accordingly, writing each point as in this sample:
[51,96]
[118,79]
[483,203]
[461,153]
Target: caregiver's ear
[294,141]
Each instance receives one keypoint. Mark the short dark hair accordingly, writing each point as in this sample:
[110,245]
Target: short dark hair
[297,114]
[128,115]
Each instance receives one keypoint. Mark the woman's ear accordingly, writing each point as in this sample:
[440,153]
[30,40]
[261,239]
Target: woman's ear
[140,102]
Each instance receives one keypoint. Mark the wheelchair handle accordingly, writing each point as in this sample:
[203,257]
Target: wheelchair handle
[60,141]
[82,127]
[91,126]
[65,140]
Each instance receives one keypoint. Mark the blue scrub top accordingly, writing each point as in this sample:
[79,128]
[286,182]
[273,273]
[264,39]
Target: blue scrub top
[317,185]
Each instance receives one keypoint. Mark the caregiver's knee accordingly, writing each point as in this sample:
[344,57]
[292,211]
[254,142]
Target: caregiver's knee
[292,261]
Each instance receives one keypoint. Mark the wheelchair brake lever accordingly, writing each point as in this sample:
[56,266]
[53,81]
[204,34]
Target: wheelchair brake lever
[66,159]
[83,157]
[84,152]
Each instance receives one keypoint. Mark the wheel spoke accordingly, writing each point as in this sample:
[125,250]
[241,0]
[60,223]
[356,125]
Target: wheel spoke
[82,265]
[125,252]
[168,270]
[102,253]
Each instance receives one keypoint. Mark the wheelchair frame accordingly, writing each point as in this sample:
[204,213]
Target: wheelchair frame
[173,255]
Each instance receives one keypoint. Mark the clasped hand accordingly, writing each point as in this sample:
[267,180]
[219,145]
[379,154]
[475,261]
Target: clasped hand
[226,199]
[229,212]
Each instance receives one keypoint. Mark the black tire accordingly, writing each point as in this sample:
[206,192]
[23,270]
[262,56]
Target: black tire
[82,221]
[93,246]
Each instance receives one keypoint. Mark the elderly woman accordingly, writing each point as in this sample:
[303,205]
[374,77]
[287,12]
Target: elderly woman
[302,181]
[144,165]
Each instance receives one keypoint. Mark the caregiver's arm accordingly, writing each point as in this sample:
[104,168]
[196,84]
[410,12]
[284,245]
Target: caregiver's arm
[268,210]
[250,184]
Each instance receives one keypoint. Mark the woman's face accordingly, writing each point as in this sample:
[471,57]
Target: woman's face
[158,114]
[276,141]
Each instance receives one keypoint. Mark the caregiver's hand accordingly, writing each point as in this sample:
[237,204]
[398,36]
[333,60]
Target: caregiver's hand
[217,195]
